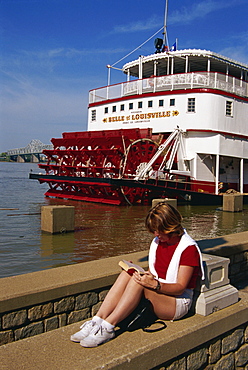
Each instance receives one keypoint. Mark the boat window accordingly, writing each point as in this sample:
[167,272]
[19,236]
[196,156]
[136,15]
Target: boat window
[106,110]
[229,108]
[93,115]
[172,102]
[150,104]
[140,104]
[191,104]
[130,105]
[122,107]
[161,103]
[114,108]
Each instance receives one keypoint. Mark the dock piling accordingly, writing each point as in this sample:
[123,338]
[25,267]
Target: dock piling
[57,219]
[232,202]
[172,202]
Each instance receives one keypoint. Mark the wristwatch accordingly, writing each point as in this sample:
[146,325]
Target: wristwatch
[158,287]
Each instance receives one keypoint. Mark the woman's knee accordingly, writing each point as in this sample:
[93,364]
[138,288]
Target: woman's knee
[124,277]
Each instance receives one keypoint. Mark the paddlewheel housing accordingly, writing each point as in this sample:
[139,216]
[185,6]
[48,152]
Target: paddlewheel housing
[82,165]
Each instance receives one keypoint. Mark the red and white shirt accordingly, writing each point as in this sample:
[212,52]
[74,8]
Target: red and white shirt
[189,257]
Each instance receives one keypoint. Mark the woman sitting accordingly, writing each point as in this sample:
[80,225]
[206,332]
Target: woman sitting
[175,263]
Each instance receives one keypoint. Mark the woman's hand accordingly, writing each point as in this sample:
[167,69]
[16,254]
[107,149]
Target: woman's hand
[146,280]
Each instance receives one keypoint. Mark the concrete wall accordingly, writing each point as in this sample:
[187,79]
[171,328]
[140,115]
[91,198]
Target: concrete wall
[234,247]
[42,301]
[228,351]
[38,302]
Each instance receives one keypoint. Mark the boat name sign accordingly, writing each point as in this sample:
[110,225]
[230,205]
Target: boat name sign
[141,116]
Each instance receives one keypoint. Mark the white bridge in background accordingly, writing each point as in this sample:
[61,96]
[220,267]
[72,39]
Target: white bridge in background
[31,153]
[34,147]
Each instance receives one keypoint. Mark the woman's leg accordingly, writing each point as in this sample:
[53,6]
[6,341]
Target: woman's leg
[119,310]
[127,302]
[125,295]
[164,306]
[114,295]
[108,306]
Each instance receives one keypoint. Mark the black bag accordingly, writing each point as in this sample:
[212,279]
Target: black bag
[142,318]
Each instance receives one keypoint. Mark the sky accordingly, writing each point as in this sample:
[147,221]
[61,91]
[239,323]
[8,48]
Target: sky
[52,52]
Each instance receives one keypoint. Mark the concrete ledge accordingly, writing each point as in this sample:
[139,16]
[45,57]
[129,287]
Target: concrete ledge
[226,245]
[37,287]
[137,350]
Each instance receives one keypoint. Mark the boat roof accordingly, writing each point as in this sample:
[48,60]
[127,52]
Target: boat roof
[197,60]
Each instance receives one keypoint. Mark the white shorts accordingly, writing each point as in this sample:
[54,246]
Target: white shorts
[183,303]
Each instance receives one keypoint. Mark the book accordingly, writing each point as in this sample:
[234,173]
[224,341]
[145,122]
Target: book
[131,267]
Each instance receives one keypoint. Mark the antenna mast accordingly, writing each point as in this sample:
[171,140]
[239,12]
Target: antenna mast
[166,41]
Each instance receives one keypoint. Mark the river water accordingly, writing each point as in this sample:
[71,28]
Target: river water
[101,230]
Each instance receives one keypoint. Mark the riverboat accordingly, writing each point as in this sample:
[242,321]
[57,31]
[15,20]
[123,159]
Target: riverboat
[177,127]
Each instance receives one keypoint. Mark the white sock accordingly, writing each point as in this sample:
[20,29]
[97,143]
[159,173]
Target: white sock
[98,320]
[105,324]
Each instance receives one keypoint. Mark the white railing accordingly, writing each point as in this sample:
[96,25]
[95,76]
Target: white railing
[191,80]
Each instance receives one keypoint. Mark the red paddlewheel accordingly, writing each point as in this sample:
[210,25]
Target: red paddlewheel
[138,154]
[101,193]
[133,195]
[116,154]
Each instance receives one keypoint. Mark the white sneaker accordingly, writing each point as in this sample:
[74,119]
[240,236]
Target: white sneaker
[97,336]
[86,328]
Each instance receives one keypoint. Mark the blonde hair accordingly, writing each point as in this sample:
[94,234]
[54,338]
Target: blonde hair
[164,218]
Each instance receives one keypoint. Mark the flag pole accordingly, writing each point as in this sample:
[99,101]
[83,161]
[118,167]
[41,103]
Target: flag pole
[166,41]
